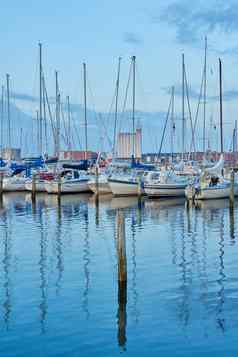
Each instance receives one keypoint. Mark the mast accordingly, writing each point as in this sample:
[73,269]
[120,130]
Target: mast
[205,98]
[133,104]
[37,132]
[221,111]
[45,119]
[8,111]
[183,105]
[85,110]
[40,101]
[69,128]
[57,148]
[172,125]
[2,119]
[116,107]
[234,143]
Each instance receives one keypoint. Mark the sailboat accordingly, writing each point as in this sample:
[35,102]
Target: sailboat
[212,184]
[128,184]
[72,181]
[100,184]
[167,183]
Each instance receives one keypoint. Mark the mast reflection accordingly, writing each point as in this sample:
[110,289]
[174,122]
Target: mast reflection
[59,249]
[7,242]
[43,271]
[86,262]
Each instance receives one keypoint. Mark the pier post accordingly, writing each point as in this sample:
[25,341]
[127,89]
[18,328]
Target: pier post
[122,279]
[232,188]
[139,191]
[59,188]
[1,184]
[33,188]
[1,190]
[97,184]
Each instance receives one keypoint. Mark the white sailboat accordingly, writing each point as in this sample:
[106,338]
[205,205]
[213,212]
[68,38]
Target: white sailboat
[72,181]
[128,184]
[14,183]
[212,184]
[165,184]
[125,185]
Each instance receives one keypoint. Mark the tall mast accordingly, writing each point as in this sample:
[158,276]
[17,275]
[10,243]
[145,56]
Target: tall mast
[2,119]
[205,98]
[172,124]
[44,110]
[183,106]
[116,107]
[221,112]
[85,110]
[133,104]
[235,143]
[8,111]
[37,132]
[69,127]
[57,149]
[40,97]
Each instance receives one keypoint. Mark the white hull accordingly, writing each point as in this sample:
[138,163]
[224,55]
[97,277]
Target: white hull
[103,187]
[210,193]
[165,190]
[12,184]
[67,187]
[40,186]
[120,188]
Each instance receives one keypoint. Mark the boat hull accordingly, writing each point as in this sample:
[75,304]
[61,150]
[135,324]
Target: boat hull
[68,187]
[103,187]
[123,188]
[165,190]
[40,186]
[11,184]
[210,193]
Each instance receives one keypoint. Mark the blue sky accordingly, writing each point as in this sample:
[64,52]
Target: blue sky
[99,31]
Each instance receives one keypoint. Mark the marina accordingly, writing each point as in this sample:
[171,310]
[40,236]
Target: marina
[59,265]
[118,179]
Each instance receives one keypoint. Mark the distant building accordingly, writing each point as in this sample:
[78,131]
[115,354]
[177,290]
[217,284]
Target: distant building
[77,155]
[11,154]
[125,145]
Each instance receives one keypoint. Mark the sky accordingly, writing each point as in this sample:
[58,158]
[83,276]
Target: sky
[98,32]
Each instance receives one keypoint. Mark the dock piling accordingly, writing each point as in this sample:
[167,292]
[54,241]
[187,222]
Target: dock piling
[232,188]
[59,189]
[122,279]
[33,190]
[97,186]
[1,184]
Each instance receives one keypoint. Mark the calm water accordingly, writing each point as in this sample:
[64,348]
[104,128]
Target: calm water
[58,278]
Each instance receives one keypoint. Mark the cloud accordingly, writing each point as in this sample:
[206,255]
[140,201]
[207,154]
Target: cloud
[132,38]
[23,97]
[193,94]
[228,95]
[193,21]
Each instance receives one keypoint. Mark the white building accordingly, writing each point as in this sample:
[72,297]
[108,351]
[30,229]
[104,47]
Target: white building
[125,145]
[11,154]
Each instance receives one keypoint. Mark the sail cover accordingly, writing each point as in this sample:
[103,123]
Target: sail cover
[216,169]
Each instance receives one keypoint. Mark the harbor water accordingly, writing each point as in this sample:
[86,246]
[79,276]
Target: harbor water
[59,285]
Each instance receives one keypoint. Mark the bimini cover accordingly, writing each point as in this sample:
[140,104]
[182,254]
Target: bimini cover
[216,169]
